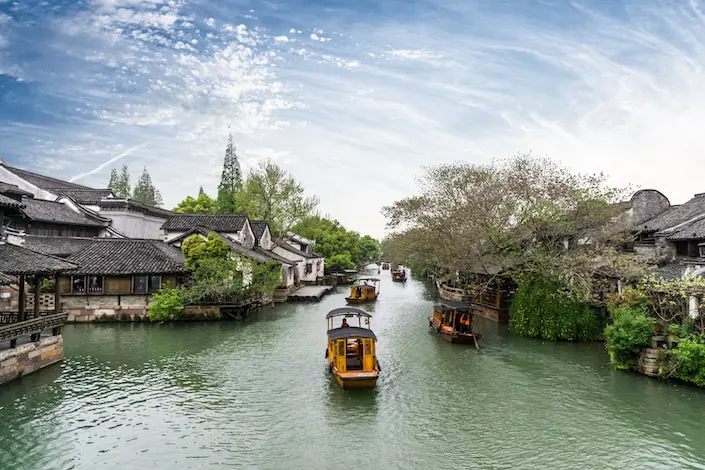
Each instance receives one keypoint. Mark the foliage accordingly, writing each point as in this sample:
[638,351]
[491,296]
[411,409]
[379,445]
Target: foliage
[343,249]
[528,215]
[216,280]
[543,309]
[196,250]
[687,361]
[145,192]
[631,298]
[629,333]
[202,204]
[230,180]
[339,262]
[47,285]
[266,277]
[166,305]
[273,195]
[120,182]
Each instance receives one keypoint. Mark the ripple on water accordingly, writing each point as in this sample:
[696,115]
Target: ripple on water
[256,394]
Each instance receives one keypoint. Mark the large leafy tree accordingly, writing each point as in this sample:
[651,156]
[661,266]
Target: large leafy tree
[145,191]
[230,180]
[120,182]
[272,194]
[527,214]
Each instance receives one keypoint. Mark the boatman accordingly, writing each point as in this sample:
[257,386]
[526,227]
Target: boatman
[465,323]
[345,323]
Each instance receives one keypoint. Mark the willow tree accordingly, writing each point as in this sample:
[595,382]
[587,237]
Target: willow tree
[527,215]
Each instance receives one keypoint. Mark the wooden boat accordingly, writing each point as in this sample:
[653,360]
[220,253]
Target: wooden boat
[367,290]
[385,266]
[352,352]
[447,320]
[399,276]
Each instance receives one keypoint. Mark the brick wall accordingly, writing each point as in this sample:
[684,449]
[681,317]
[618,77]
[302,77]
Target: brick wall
[29,357]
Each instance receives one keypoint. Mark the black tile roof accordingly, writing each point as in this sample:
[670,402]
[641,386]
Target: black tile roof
[83,196]
[228,223]
[258,228]
[275,257]
[674,215]
[129,204]
[44,182]
[124,256]
[19,260]
[13,189]
[42,210]
[694,230]
[9,202]
[57,246]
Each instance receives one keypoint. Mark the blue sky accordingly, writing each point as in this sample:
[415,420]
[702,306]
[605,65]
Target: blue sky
[353,98]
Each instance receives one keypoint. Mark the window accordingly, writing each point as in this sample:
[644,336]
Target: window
[78,284]
[139,284]
[701,249]
[155,283]
[95,284]
[309,268]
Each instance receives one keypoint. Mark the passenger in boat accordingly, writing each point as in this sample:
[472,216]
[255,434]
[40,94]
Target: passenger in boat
[465,323]
[345,323]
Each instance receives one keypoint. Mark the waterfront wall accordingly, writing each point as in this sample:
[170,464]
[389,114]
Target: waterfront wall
[29,357]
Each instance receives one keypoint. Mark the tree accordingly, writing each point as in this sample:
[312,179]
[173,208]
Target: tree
[145,191]
[196,250]
[200,190]
[272,194]
[204,204]
[120,182]
[529,215]
[230,180]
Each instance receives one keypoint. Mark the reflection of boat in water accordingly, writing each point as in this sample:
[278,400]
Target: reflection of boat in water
[351,352]
[399,275]
[366,291]
[453,321]
[385,266]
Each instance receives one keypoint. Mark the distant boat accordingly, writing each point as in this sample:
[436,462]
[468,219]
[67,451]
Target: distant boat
[453,321]
[366,291]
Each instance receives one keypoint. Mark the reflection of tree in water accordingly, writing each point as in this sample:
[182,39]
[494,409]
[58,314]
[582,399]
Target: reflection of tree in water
[430,291]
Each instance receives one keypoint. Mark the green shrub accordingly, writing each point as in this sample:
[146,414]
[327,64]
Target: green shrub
[542,309]
[687,361]
[629,333]
[47,286]
[167,305]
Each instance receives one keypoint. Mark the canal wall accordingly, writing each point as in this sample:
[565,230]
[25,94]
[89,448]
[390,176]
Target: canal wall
[30,357]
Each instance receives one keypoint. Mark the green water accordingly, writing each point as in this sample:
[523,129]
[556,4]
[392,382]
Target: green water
[256,394]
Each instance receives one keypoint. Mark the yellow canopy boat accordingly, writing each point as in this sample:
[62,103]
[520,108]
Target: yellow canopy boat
[367,290]
[351,351]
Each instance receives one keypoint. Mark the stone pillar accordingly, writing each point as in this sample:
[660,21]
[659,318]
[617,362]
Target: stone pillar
[37,292]
[22,300]
[692,307]
[57,296]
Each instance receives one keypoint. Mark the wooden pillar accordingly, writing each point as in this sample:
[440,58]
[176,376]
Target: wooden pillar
[37,293]
[57,295]
[498,302]
[22,300]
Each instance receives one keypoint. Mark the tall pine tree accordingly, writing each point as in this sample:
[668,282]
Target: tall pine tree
[230,180]
[120,182]
[145,192]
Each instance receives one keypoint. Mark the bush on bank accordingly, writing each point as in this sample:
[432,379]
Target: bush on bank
[167,305]
[542,309]
[628,334]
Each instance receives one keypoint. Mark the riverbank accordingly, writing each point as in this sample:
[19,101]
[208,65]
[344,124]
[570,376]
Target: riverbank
[220,395]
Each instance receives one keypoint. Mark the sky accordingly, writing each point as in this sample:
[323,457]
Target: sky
[353,98]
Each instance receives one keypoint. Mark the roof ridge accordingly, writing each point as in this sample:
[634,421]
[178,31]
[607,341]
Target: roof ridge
[78,186]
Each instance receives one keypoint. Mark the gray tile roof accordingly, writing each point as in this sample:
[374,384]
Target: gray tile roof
[7,188]
[57,246]
[694,230]
[57,212]
[129,204]
[282,243]
[6,279]
[258,228]
[9,202]
[674,215]
[19,260]
[228,223]
[44,182]
[275,257]
[124,256]
[83,196]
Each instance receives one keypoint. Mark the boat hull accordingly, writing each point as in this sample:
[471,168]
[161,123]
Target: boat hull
[352,300]
[357,380]
[454,337]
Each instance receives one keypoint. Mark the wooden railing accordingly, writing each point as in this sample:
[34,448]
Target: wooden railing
[32,327]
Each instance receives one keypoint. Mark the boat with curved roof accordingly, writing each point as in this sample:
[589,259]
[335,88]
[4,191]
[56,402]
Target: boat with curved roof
[352,351]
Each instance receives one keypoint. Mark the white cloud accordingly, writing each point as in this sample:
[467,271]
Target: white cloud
[281,38]
[210,22]
[414,54]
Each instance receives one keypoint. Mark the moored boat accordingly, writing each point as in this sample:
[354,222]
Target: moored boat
[367,290]
[352,351]
[453,321]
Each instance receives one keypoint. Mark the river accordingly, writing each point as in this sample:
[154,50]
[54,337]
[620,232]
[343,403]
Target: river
[256,394]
